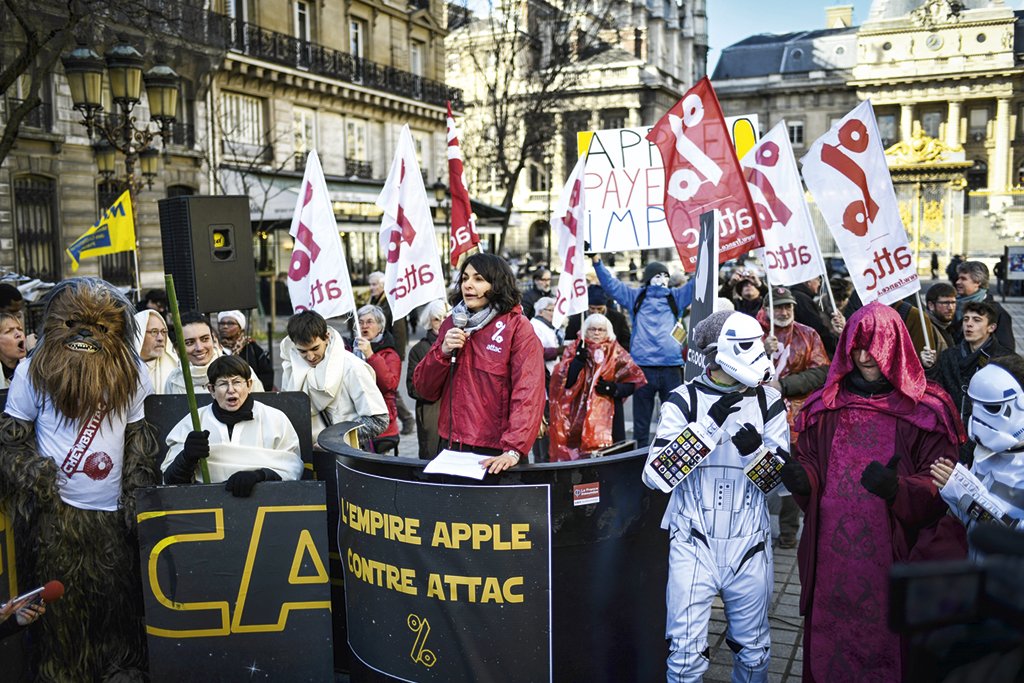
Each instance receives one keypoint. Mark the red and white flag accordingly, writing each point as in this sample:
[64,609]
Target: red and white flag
[413,274]
[463,236]
[318,277]
[567,224]
[845,171]
[791,251]
[703,174]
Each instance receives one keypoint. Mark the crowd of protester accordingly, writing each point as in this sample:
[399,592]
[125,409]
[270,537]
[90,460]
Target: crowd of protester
[873,396]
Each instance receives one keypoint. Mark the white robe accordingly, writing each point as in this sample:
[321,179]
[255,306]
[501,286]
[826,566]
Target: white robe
[268,440]
[341,386]
[161,367]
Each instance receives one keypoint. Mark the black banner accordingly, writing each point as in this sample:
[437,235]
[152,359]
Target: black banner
[705,291]
[445,582]
[236,589]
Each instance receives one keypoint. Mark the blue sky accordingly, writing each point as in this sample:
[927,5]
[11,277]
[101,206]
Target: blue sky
[730,21]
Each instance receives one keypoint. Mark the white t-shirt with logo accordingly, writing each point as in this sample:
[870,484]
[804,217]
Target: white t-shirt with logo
[89,454]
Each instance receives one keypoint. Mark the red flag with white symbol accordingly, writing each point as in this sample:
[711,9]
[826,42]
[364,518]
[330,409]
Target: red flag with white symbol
[413,274]
[318,277]
[703,174]
[463,236]
[567,224]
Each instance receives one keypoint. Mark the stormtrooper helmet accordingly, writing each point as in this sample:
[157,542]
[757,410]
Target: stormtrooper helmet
[997,417]
[740,351]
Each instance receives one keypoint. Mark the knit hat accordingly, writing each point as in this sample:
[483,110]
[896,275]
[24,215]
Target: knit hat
[705,335]
[653,268]
[232,315]
[596,296]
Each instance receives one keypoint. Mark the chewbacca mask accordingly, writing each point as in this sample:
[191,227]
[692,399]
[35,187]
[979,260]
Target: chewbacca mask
[86,361]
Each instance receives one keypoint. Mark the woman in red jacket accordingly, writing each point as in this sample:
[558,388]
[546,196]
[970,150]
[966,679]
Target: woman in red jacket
[378,349]
[489,375]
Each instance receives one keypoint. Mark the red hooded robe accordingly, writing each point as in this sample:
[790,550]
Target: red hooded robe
[851,537]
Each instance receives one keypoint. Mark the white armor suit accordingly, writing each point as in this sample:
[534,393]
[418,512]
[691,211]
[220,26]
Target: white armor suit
[717,517]
[997,426]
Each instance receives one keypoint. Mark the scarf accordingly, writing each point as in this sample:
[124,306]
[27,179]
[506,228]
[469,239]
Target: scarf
[856,383]
[231,418]
[980,295]
[476,320]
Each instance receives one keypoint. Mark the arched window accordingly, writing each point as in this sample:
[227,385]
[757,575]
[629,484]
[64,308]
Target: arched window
[35,228]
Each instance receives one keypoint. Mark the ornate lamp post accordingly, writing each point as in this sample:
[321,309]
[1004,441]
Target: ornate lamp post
[123,65]
[119,131]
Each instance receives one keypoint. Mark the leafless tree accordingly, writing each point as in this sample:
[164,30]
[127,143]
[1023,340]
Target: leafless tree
[526,57]
[36,34]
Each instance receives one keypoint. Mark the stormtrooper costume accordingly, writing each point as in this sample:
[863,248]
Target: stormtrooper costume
[997,426]
[717,518]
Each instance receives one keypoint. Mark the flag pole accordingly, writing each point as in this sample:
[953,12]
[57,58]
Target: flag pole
[186,371]
[138,275]
[924,323]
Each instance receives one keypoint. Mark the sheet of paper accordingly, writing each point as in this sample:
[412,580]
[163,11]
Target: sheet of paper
[458,464]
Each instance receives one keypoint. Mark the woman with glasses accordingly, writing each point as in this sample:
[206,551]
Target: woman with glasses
[588,387]
[243,442]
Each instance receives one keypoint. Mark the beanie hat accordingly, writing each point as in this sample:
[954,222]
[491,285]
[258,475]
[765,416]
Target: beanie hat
[232,315]
[653,268]
[596,296]
[705,335]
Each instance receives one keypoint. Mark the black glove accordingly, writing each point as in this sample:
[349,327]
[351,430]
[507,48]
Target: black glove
[724,407]
[747,440]
[241,483]
[794,476]
[579,362]
[605,388]
[197,447]
[880,479]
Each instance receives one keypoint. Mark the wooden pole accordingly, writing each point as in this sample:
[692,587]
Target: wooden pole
[186,371]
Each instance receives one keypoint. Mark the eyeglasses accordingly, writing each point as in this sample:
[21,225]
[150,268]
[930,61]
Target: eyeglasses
[156,332]
[236,384]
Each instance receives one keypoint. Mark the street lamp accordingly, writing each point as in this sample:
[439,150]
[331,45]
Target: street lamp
[123,66]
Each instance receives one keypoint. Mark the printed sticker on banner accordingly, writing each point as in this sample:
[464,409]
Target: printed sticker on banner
[586,494]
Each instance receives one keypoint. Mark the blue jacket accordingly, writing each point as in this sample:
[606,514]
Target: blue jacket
[652,342]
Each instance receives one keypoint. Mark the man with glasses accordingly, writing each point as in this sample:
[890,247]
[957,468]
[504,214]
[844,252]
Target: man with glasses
[541,287]
[243,442]
[153,347]
[940,299]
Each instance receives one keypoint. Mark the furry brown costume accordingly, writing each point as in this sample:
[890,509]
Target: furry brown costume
[84,365]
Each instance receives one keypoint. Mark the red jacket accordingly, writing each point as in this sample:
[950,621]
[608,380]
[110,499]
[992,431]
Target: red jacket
[498,385]
[388,367]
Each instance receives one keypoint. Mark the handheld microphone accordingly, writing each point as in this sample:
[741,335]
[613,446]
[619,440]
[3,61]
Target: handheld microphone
[51,592]
[459,320]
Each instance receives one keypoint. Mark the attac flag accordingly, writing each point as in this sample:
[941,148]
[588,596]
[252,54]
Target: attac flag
[413,274]
[845,171]
[464,236]
[791,251]
[567,224]
[114,232]
[703,174]
[318,277]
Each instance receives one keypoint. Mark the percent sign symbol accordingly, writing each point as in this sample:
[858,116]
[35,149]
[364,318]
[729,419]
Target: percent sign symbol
[420,654]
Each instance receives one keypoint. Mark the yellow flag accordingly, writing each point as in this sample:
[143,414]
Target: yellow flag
[112,233]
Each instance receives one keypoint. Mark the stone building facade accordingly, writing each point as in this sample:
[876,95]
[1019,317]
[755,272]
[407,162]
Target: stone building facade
[936,74]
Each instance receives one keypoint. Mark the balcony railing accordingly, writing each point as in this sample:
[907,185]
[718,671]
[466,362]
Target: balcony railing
[40,117]
[358,168]
[286,50]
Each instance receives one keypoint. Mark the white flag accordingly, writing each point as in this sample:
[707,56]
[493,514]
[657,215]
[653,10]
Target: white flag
[791,251]
[413,275]
[318,277]
[846,172]
[567,224]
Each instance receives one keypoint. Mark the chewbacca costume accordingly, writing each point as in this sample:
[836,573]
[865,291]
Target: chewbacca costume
[73,449]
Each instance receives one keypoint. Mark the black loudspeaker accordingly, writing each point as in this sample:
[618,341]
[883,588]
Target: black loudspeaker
[208,249]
